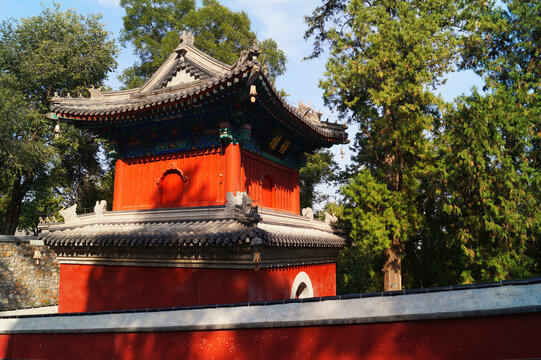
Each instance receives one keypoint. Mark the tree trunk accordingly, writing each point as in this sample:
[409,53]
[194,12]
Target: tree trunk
[11,219]
[392,263]
[392,267]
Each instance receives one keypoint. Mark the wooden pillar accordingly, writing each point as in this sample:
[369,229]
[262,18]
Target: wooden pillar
[232,168]
[119,185]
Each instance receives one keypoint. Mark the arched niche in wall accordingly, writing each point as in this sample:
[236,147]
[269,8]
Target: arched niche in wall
[171,185]
[267,191]
[302,287]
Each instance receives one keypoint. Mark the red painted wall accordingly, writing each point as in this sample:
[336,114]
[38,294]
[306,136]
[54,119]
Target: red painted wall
[492,337]
[285,181]
[193,178]
[94,288]
[154,182]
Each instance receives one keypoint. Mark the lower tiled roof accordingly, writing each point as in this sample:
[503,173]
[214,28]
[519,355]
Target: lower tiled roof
[224,232]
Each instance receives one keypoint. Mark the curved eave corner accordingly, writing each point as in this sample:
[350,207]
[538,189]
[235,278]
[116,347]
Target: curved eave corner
[288,111]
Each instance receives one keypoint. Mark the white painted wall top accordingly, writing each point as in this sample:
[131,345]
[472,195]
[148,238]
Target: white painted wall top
[450,304]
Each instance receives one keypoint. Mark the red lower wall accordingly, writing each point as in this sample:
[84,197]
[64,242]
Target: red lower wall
[493,337]
[94,288]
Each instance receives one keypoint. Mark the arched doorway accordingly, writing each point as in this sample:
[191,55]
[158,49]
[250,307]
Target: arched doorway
[172,188]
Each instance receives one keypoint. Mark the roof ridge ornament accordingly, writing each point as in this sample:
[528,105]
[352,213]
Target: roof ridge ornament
[247,55]
[307,212]
[95,93]
[309,113]
[186,37]
[100,208]
[330,219]
[69,214]
[242,202]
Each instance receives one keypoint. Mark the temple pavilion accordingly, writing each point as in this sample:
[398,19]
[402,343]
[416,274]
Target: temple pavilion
[206,197]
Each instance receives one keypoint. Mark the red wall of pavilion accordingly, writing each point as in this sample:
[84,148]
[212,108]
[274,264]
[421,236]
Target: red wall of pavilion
[94,287]
[157,181]
[284,197]
[489,337]
[140,183]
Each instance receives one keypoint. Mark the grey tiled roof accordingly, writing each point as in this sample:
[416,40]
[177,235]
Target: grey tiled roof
[118,107]
[131,105]
[186,65]
[225,232]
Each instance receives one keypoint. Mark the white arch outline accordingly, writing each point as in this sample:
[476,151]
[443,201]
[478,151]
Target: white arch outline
[302,278]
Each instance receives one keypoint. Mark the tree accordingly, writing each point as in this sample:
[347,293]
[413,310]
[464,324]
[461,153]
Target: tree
[320,167]
[154,27]
[22,151]
[491,147]
[55,51]
[384,57]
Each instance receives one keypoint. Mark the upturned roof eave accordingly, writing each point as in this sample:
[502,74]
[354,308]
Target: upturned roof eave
[139,104]
[188,97]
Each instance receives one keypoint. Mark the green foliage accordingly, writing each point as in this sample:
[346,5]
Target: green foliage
[55,51]
[21,146]
[358,268]
[274,58]
[458,185]
[148,22]
[22,149]
[154,27]
[383,60]
[358,271]
[36,53]
[384,57]
[491,148]
[320,167]
[488,186]
[219,31]
[376,214]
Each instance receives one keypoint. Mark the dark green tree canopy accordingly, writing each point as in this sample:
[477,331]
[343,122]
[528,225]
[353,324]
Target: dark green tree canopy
[154,27]
[35,54]
[491,147]
[452,190]
[384,58]
[320,168]
[55,51]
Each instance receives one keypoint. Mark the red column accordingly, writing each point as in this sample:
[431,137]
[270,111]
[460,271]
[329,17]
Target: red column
[119,185]
[232,168]
[296,197]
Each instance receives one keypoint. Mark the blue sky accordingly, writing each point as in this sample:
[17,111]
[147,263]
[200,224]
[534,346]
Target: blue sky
[281,20]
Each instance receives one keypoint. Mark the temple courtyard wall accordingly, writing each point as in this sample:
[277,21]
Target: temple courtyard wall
[23,282]
[487,321]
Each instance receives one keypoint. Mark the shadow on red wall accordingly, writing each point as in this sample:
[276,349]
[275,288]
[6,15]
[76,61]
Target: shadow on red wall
[191,178]
[491,337]
[97,288]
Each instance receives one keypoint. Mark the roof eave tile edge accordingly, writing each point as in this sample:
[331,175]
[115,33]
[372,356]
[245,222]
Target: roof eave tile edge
[293,112]
[247,70]
[190,96]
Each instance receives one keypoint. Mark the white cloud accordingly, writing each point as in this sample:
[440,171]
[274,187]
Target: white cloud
[109,2]
[281,20]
